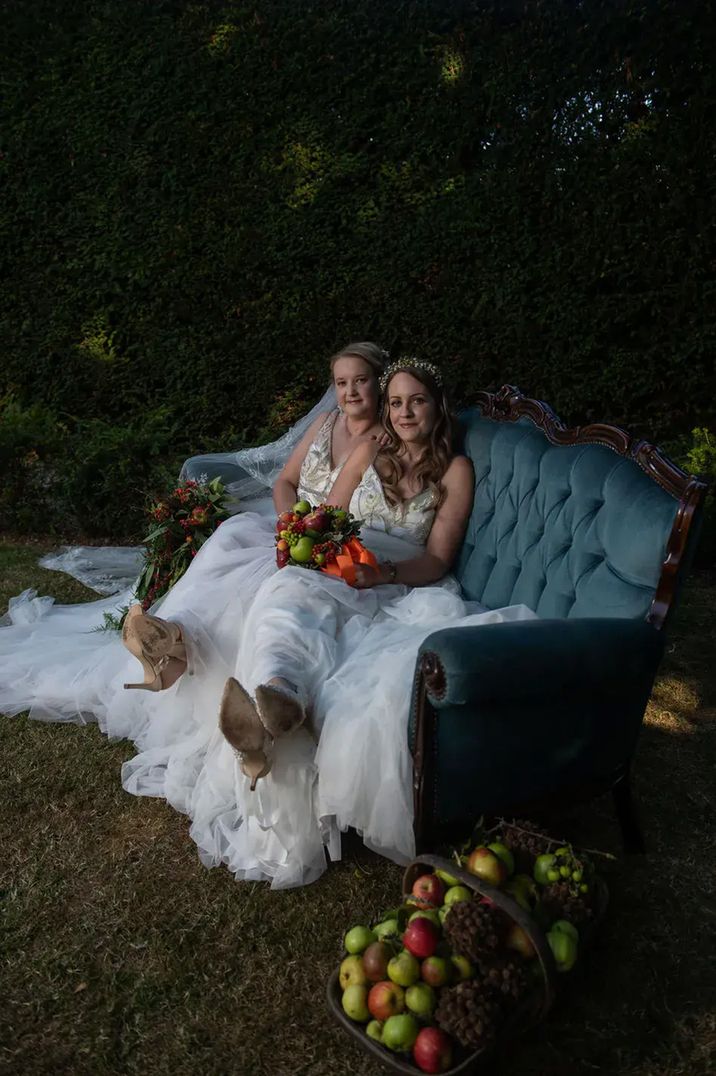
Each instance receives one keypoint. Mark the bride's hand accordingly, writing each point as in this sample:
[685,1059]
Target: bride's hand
[366,576]
[379,439]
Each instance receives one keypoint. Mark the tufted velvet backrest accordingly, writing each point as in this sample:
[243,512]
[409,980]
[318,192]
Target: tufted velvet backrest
[570,531]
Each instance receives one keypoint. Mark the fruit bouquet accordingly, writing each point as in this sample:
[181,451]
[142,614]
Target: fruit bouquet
[473,952]
[324,538]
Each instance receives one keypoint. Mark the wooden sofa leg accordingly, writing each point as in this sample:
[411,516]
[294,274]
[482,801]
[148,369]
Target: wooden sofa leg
[632,836]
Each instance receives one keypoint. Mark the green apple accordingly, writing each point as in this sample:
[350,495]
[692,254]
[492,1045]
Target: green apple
[374,1031]
[420,999]
[462,968]
[456,893]
[523,889]
[503,852]
[448,879]
[301,508]
[567,928]
[352,972]
[544,869]
[302,551]
[386,928]
[355,1003]
[358,938]
[427,913]
[443,913]
[400,1032]
[564,948]
[404,969]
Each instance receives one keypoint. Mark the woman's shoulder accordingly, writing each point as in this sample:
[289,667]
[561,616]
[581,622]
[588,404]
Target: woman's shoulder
[320,421]
[459,472]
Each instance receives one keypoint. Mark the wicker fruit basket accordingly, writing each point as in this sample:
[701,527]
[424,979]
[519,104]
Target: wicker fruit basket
[531,1008]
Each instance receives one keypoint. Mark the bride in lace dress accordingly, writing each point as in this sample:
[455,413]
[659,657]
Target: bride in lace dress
[341,656]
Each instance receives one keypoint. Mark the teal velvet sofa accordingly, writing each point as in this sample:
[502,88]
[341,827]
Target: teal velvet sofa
[593,531]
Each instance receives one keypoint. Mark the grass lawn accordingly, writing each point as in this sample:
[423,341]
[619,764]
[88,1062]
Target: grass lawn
[122,954]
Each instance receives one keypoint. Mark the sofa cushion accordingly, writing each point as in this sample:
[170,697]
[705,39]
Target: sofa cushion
[570,531]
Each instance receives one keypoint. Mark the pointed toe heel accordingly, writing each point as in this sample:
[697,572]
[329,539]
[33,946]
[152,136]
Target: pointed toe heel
[280,711]
[242,728]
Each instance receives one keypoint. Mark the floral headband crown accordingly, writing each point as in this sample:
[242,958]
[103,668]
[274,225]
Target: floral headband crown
[413,364]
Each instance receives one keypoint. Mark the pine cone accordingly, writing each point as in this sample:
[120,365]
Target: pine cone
[469,1012]
[505,977]
[559,901]
[473,928]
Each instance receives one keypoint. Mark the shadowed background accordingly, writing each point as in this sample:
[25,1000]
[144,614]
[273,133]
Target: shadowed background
[201,201]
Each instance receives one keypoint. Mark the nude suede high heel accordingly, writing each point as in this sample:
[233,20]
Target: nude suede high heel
[154,642]
[241,725]
[280,710]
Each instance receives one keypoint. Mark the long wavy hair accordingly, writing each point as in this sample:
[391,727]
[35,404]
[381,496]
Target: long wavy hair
[438,452]
[371,353]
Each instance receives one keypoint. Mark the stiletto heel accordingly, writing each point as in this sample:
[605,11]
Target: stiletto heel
[254,764]
[155,643]
[242,728]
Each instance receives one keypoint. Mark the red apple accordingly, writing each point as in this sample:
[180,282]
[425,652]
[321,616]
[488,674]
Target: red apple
[486,865]
[435,971]
[432,1051]
[375,961]
[421,938]
[317,522]
[429,888]
[385,999]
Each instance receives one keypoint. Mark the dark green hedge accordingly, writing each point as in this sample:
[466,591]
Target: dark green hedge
[201,200]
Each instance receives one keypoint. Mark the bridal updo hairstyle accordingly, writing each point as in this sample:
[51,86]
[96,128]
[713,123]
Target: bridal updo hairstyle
[371,353]
[438,452]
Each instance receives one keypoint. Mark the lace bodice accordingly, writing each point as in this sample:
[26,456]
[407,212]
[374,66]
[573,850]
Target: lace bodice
[412,520]
[317,476]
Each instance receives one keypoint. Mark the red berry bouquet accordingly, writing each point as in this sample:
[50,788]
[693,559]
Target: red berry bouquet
[182,522]
[324,538]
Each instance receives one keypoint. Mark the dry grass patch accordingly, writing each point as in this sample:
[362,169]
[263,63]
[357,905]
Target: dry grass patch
[123,955]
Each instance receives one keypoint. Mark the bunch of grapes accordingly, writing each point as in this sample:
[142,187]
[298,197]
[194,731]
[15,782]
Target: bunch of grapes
[571,869]
[293,532]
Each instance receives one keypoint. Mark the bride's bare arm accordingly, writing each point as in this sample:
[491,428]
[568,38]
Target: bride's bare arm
[352,472]
[446,535]
[285,487]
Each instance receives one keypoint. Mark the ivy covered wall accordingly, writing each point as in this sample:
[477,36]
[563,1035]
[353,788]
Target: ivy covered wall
[201,200]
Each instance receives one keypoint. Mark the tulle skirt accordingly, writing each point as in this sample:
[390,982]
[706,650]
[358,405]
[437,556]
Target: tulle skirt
[351,654]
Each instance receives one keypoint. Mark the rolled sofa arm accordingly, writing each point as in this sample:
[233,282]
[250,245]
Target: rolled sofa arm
[532,659]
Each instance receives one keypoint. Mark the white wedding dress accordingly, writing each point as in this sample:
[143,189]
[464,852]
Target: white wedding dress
[350,652]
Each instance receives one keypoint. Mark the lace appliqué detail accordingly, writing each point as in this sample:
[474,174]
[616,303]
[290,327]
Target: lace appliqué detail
[317,476]
[411,520]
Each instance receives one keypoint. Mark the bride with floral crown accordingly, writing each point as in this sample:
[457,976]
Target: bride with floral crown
[277,715]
